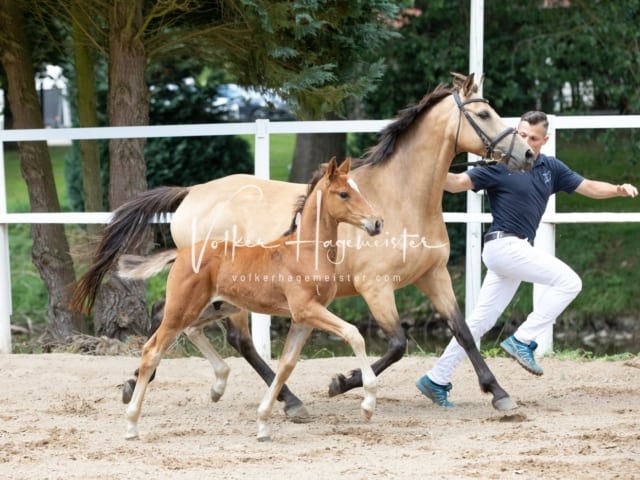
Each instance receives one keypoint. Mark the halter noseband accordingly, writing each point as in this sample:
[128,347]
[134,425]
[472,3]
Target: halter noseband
[489,144]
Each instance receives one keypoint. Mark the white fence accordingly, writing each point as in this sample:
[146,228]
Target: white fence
[262,129]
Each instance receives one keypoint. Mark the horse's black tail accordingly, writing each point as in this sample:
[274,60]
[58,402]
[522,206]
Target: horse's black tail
[126,232]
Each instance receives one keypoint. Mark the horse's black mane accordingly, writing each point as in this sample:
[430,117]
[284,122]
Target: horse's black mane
[302,199]
[381,152]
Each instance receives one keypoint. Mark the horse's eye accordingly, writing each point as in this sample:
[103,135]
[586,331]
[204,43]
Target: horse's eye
[484,115]
[344,195]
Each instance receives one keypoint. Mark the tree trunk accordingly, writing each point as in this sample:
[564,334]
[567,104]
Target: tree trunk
[87,117]
[121,308]
[312,149]
[50,251]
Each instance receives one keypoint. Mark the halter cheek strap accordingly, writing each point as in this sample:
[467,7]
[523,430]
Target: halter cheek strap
[489,144]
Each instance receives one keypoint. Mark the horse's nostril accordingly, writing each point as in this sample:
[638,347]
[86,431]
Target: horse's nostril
[529,154]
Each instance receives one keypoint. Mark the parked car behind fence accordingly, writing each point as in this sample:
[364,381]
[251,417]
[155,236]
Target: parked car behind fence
[237,104]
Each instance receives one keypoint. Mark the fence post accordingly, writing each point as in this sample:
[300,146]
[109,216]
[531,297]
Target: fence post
[261,323]
[546,240]
[5,266]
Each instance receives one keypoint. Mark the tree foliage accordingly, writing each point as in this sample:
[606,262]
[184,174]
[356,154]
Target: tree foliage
[530,54]
[310,50]
[179,98]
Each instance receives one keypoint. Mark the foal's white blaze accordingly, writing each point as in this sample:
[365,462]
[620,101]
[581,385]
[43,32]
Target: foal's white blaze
[353,184]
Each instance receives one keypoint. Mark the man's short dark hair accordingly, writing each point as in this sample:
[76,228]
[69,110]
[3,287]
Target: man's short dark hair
[535,117]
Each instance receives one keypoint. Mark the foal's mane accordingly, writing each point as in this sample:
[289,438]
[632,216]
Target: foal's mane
[380,153]
[302,199]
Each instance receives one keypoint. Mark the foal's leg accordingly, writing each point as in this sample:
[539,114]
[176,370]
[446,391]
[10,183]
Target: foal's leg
[220,367]
[436,284]
[215,311]
[239,336]
[151,356]
[319,317]
[381,301]
[187,297]
[296,338]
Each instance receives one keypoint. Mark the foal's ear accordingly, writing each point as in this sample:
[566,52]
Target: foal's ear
[345,167]
[332,167]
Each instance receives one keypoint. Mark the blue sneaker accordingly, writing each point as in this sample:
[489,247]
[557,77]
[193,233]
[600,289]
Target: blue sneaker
[523,354]
[437,393]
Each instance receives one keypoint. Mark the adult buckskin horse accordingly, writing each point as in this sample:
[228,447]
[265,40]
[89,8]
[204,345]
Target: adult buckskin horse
[404,174]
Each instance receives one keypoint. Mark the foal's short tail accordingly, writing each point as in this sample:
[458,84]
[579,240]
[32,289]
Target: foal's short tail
[138,267]
[125,233]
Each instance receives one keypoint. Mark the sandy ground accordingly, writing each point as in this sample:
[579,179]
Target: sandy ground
[61,417]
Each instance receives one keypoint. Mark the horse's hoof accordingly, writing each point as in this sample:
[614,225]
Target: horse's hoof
[127,390]
[132,432]
[264,439]
[505,403]
[297,414]
[215,396]
[366,414]
[336,387]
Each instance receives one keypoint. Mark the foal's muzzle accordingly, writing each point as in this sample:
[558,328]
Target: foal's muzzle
[373,226]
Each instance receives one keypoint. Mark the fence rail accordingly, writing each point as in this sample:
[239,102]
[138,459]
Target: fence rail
[261,129]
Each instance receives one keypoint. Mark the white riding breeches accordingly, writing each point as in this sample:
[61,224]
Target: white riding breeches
[510,261]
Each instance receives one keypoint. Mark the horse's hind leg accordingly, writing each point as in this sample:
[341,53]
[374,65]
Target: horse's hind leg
[239,337]
[220,367]
[214,312]
[436,284]
[129,386]
[157,312]
[151,356]
[381,302]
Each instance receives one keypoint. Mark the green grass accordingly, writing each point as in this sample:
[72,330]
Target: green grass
[17,194]
[28,294]
[280,153]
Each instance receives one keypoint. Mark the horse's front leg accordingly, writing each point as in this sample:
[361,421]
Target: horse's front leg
[436,284]
[239,337]
[327,321]
[220,367]
[296,338]
[381,302]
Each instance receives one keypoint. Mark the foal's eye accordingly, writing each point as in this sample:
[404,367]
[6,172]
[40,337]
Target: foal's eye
[344,195]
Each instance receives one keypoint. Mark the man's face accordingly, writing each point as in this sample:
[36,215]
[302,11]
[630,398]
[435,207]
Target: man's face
[534,135]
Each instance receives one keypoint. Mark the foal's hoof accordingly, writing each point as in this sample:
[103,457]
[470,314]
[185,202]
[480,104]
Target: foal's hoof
[337,385]
[127,390]
[366,414]
[505,403]
[297,413]
[215,396]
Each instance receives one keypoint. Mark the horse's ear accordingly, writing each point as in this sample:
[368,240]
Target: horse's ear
[469,86]
[332,166]
[345,167]
[458,79]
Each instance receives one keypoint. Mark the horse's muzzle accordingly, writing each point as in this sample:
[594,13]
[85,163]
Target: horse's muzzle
[374,227]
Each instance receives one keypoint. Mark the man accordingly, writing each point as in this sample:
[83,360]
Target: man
[518,201]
